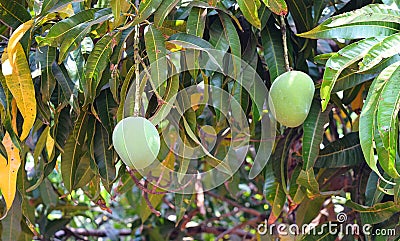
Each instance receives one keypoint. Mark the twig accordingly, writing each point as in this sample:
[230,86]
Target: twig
[284,40]
[146,198]
[137,72]
[235,204]
[79,232]
[237,227]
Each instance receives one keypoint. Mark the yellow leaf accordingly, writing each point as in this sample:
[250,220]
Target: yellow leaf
[19,82]
[16,37]
[49,145]
[8,171]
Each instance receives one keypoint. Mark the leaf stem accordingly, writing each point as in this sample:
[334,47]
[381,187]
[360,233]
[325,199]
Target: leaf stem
[284,41]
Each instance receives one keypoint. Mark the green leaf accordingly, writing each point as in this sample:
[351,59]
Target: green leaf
[156,52]
[386,48]
[234,42]
[340,61]
[302,15]
[313,129]
[375,214]
[103,155]
[46,56]
[11,224]
[68,88]
[217,36]
[48,194]
[73,151]
[370,13]
[307,179]
[60,30]
[106,108]
[370,21]
[343,152]
[146,8]
[13,14]
[387,120]
[68,33]
[273,51]
[196,22]
[350,77]
[368,115]
[50,6]
[249,9]
[96,63]
[182,203]
[189,41]
[116,9]
[393,3]
[278,7]
[163,10]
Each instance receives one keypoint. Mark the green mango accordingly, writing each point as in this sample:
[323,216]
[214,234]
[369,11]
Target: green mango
[137,142]
[290,98]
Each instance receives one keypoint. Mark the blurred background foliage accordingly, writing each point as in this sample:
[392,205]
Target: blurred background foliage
[66,69]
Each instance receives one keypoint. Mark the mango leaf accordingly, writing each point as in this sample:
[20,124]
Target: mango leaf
[375,214]
[84,173]
[368,115]
[369,13]
[13,14]
[116,9]
[202,4]
[249,9]
[61,29]
[273,193]
[50,6]
[302,15]
[68,33]
[273,51]
[182,203]
[386,157]
[47,193]
[370,21]
[387,119]
[189,41]
[341,60]
[8,172]
[278,7]
[103,155]
[146,8]
[19,81]
[156,52]
[69,89]
[11,225]
[388,47]
[163,10]
[343,152]
[234,42]
[46,56]
[313,129]
[171,27]
[73,151]
[217,36]
[16,37]
[350,77]
[393,3]
[96,63]
[307,179]
[196,22]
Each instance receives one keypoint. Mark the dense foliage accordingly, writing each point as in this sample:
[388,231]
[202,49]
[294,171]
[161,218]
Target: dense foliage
[68,68]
